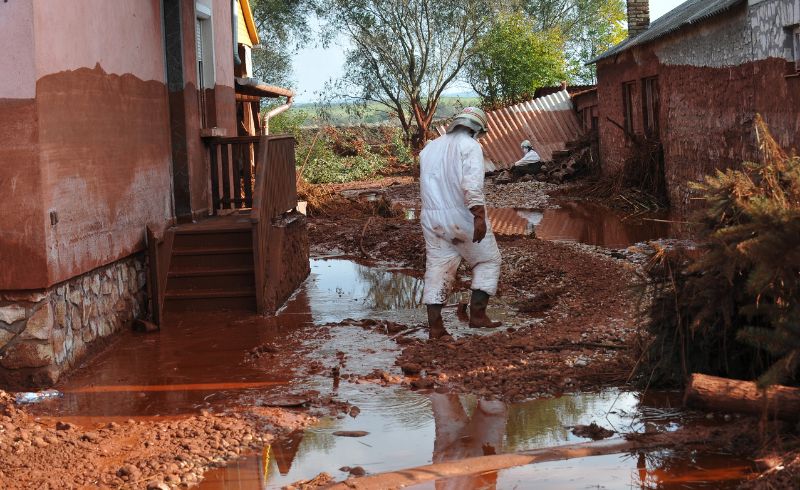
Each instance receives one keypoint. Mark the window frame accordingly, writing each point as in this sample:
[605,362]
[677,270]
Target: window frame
[628,89]
[650,105]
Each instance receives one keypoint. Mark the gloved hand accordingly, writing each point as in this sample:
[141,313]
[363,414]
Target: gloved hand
[479,223]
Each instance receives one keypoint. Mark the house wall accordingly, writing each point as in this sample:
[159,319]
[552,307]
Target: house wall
[104,147]
[713,78]
[22,232]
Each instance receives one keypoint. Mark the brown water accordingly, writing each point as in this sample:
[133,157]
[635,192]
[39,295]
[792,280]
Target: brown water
[583,222]
[578,221]
[199,362]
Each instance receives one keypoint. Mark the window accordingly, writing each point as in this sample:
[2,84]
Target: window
[627,105]
[796,44]
[204,44]
[650,106]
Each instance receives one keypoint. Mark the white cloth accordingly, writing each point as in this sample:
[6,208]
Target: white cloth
[451,182]
[530,157]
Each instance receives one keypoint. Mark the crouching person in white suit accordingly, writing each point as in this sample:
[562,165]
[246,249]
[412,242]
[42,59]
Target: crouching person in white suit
[454,220]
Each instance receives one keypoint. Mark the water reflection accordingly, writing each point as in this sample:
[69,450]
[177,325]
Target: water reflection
[593,224]
[408,429]
[458,436]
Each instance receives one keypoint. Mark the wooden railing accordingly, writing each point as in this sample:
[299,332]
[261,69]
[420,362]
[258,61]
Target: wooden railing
[232,169]
[274,193]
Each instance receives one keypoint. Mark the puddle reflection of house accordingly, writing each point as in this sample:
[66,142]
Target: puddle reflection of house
[510,221]
[285,449]
[596,225]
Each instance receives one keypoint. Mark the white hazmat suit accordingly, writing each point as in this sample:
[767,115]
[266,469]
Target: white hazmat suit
[451,182]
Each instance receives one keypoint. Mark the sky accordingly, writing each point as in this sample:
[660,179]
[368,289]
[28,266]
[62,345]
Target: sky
[313,66]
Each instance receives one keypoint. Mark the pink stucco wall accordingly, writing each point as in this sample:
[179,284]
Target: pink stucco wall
[17,73]
[87,154]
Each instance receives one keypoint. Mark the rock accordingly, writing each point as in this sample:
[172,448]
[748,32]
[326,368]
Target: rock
[63,426]
[27,355]
[351,433]
[503,177]
[40,325]
[411,368]
[5,337]
[12,313]
[422,383]
[157,485]
[592,431]
[357,471]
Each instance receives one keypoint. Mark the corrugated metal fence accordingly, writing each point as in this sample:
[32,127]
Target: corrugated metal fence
[548,123]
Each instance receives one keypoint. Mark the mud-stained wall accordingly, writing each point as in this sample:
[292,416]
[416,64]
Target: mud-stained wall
[713,78]
[105,174]
[22,239]
[103,128]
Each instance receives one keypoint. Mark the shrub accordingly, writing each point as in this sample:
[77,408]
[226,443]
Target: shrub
[733,307]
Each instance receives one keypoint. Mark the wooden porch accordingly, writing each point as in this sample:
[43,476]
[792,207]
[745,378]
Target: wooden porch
[223,261]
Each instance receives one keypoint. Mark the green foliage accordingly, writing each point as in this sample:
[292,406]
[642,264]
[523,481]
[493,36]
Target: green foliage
[289,122]
[588,27]
[734,309]
[512,60]
[336,155]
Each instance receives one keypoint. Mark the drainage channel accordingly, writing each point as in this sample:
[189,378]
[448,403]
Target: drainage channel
[196,363]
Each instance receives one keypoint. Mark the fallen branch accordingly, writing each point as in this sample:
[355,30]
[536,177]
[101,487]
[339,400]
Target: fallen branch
[731,395]
[484,464]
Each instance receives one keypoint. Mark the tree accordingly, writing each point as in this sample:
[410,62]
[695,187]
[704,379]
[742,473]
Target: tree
[589,28]
[282,26]
[405,53]
[512,60]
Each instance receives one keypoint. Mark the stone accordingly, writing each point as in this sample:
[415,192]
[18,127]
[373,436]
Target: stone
[28,354]
[59,340]
[61,314]
[5,337]
[106,286]
[95,287]
[40,324]
[77,321]
[75,295]
[12,313]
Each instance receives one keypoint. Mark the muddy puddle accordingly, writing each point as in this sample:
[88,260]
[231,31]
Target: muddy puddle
[408,429]
[202,362]
[577,221]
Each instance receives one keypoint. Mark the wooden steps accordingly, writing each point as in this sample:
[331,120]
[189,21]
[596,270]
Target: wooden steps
[212,266]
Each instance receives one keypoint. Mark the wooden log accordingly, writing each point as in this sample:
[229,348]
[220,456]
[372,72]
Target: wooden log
[731,395]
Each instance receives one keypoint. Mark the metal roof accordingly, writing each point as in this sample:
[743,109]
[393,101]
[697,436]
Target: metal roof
[685,14]
[548,122]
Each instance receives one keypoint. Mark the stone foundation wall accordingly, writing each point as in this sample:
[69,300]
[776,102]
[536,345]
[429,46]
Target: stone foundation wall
[44,333]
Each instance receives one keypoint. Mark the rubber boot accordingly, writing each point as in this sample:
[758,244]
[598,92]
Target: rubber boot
[477,311]
[435,322]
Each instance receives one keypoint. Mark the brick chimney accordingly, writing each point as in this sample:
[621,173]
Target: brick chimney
[638,16]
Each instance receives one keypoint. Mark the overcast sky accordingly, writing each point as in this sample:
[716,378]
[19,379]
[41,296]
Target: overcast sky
[313,66]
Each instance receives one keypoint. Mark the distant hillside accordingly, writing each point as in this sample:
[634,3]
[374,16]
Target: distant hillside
[374,114]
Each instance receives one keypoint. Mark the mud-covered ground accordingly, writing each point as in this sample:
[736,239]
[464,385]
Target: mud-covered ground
[575,306]
[575,318]
[130,454]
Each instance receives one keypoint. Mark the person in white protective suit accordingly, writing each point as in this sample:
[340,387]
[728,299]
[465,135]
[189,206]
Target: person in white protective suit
[454,220]
[529,155]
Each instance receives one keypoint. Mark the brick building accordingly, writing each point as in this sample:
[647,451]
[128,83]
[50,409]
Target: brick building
[106,109]
[694,79]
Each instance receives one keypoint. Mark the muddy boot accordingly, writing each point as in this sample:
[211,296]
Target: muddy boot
[477,311]
[435,322]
